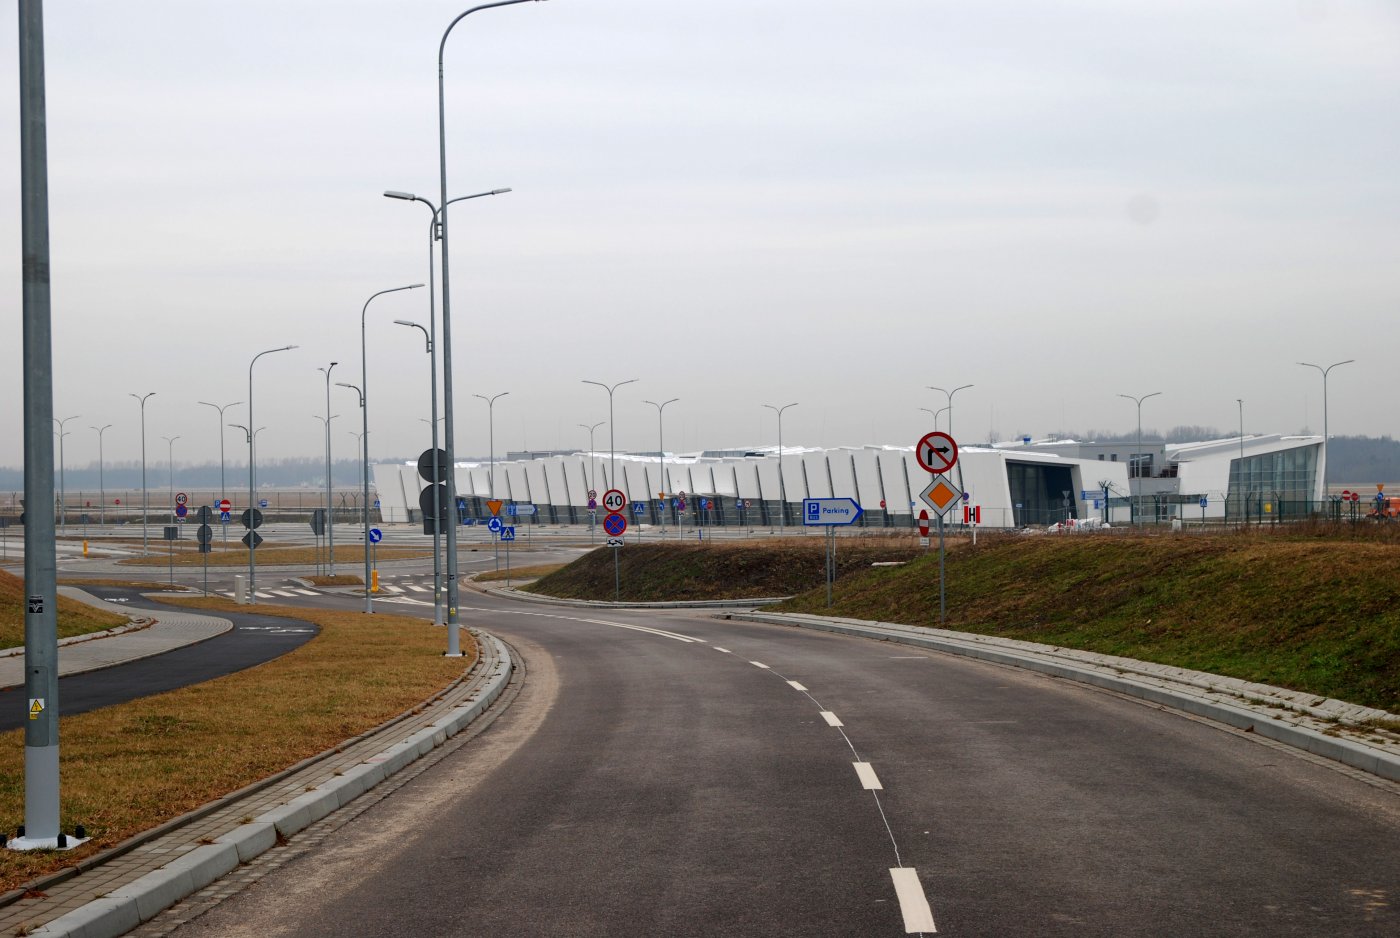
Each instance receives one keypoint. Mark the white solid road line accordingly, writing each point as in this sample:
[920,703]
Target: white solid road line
[796,686]
[617,625]
[868,781]
[918,917]
[760,664]
[830,718]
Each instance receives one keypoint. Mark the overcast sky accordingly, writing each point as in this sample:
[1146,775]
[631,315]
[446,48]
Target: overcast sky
[738,203]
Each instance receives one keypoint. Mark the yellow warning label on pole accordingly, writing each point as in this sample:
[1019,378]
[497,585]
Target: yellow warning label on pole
[36,707]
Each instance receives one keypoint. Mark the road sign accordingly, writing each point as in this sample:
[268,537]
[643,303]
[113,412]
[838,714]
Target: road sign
[425,465]
[226,505]
[972,514]
[1203,501]
[923,522]
[318,521]
[830,511]
[704,504]
[639,507]
[524,509]
[182,499]
[252,518]
[615,542]
[225,517]
[204,534]
[375,535]
[936,452]
[252,539]
[508,532]
[205,514]
[493,505]
[262,503]
[426,498]
[614,500]
[615,524]
[940,495]
[495,525]
[592,493]
[592,503]
[181,510]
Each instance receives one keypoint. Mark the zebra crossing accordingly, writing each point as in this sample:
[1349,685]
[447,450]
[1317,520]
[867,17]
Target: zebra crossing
[387,587]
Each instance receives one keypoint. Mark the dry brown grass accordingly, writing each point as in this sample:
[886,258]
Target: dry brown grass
[519,573]
[129,767]
[188,555]
[74,618]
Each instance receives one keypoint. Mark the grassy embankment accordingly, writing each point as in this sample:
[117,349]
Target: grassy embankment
[1319,614]
[74,618]
[128,767]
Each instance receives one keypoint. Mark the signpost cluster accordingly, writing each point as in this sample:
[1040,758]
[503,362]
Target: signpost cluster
[937,453]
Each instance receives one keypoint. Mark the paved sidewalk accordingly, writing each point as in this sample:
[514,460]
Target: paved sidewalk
[152,632]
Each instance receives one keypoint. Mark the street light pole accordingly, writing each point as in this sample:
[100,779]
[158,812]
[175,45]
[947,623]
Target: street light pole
[1326,466]
[612,437]
[223,483]
[101,483]
[491,435]
[62,487]
[592,453]
[252,462]
[661,446]
[170,461]
[950,403]
[447,407]
[330,497]
[1136,472]
[145,540]
[364,481]
[436,466]
[782,482]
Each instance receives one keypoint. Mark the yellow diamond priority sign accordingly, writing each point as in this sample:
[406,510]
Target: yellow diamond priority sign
[940,495]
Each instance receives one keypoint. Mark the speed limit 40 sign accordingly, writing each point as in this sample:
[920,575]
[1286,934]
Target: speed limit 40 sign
[614,500]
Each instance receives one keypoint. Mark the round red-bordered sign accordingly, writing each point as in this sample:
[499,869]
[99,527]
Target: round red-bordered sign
[936,452]
[615,525]
[923,523]
[614,500]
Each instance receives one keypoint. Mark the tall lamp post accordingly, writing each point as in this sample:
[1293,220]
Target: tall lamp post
[330,498]
[252,462]
[170,461]
[491,436]
[612,437]
[436,227]
[782,482]
[437,469]
[592,453]
[934,414]
[950,402]
[449,432]
[1326,466]
[1136,470]
[101,482]
[364,415]
[661,447]
[62,488]
[145,540]
[223,482]
[364,481]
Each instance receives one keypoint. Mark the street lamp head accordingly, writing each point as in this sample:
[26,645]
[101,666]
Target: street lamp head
[501,191]
[405,322]
[394,194]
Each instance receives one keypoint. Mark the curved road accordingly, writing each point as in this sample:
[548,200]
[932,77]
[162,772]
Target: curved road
[671,774]
[253,640]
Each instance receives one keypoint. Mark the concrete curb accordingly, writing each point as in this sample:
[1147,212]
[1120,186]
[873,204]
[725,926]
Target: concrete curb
[1061,663]
[508,593]
[139,901]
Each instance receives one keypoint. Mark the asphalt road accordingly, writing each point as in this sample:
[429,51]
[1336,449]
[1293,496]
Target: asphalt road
[252,640]
[642,784]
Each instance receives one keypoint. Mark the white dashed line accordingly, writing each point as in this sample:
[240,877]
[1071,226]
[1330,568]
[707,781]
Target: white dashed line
[307,592]
[392,588]
[831,719]
[760,664]
[725,650]
[868,781]
[796,686]
[918,917]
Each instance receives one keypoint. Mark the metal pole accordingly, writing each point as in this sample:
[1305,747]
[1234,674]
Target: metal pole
[330,497]
[1326,465]
[1137,501]
[364,411]
[252,462]
[612,436]
[41,776]
[661,445]
[223,482]
[145,543]
[782,482]
[170,460]
[449,432]
[101,482]
[62,485]
[436,466]
[950,403]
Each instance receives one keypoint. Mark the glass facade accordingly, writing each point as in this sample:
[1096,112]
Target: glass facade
[1286,477]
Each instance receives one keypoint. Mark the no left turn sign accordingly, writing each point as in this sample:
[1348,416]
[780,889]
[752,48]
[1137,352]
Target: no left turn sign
[936,452]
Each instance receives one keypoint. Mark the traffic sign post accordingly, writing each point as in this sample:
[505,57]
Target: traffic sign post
[615,525]
[614,501]
[937,453]
[830,513]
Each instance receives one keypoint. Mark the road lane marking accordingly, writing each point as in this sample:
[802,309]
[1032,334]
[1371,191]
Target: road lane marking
[306,592]
[918,917]
[868,781]
[831,719]
[617,625]
[796,686]
[909,657]
[418,589]
[284,593]
[725,650]
[392,588]
[760,664]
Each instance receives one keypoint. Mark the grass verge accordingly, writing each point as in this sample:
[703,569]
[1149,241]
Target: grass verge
[74,618]
[519,573]
[129,767]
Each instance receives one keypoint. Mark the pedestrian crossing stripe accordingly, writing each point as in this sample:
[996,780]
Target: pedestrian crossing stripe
[418,589]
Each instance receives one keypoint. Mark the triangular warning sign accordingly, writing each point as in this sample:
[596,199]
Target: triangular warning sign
[36,706]
[495,506]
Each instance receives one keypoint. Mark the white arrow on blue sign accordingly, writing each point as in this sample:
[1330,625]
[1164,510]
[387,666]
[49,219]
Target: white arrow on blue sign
[375,535]
[830,511]
[495,525]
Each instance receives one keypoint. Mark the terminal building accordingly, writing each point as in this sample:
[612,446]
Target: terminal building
[1011,485]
